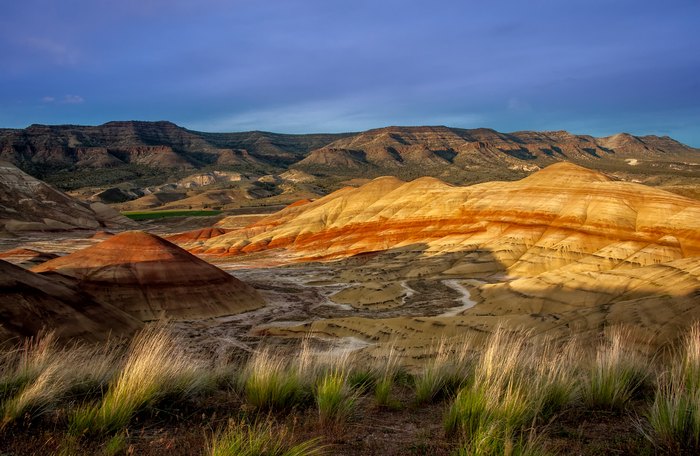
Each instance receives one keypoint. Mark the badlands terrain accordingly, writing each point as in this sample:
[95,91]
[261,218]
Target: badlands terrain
[387,244]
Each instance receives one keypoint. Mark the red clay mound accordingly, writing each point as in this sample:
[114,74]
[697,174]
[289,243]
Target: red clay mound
[151,278]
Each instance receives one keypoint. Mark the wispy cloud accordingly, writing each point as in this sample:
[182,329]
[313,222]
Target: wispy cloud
[73,99]
[66,99]
[331,115]
[59,53]
[517,105]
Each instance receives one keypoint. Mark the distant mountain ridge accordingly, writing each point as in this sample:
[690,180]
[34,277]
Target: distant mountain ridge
[397,146]
[159,144]
[72,156]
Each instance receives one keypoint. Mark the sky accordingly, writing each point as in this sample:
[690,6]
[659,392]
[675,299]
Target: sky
[299,66]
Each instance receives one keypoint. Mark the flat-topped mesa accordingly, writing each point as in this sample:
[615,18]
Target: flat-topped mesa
[151,278]
[30,303]
[565,212]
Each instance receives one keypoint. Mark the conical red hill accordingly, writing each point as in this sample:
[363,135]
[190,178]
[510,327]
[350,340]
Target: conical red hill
[151,278]
[30,302]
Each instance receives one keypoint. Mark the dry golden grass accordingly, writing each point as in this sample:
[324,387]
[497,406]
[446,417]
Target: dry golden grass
[155,366]
[674,417]
[616,372]
[501,394]
[258,439]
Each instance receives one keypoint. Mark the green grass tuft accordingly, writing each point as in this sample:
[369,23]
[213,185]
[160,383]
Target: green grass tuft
[616,373]
[259,439]
[270,383]
[334,399]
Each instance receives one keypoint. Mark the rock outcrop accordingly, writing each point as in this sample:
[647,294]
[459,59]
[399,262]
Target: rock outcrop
[151,278]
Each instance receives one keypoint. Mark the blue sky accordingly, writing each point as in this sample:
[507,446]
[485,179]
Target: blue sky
[596,67]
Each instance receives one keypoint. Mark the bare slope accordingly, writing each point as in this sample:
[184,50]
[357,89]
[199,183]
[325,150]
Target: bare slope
[30,303]
[27,203]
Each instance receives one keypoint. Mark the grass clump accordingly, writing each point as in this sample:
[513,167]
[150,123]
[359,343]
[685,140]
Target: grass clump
[615,374]
[334,398]
[445,373]
[674,416]
[39,374]
[515,385]
[387,370]
[499,393]
[114,445]
[154,367]
[258,439]
[362,379]
[271,383]
[22,365]
[494,440]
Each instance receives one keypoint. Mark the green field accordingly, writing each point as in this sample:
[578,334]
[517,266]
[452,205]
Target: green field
[149,215]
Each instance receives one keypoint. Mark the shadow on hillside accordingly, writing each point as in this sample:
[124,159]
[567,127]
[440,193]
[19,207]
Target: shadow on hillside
[581,304]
